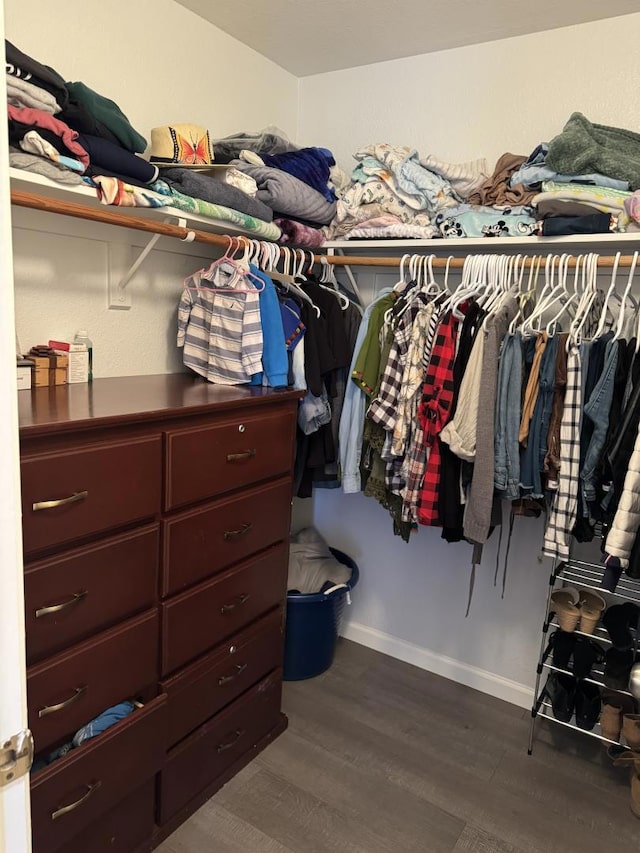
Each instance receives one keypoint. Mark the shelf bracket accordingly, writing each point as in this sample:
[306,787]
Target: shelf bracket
[120,256]
[350,276]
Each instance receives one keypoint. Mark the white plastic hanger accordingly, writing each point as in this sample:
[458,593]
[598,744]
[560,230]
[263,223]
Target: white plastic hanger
[589,278]
[600,329]
[625,295]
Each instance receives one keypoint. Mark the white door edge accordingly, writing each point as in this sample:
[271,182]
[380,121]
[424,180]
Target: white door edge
[15,821]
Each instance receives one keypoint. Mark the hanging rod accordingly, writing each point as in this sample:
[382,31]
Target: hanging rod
[138,223]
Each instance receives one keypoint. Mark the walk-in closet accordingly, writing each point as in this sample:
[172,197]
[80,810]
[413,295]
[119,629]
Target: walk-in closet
[321,451]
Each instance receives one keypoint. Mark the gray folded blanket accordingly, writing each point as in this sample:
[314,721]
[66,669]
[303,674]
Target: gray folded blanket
[287,195]
[199,185]
[583,148]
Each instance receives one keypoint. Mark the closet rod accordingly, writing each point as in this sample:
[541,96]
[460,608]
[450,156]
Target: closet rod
[110,217]
[604,261]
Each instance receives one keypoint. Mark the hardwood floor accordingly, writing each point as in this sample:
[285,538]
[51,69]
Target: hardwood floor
[381,757]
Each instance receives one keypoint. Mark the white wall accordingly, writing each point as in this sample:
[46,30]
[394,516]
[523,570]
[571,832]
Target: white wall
[162,64]
[460,104]
[480,100]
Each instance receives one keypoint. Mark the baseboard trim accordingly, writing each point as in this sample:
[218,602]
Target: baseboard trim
[464,673]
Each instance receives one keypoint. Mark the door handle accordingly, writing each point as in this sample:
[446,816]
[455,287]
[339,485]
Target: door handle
[232,742]
[57,608]
[225,679]
[63,810]
[242,599]
[234,534]
[72,499]
[60,706]
[238,457]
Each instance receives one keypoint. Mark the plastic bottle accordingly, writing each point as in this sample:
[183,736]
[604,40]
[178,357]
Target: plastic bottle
[82,338]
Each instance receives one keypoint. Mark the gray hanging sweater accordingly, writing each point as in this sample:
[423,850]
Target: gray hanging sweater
[477,515]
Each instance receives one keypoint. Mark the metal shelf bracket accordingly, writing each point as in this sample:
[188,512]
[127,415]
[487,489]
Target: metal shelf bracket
[119,298]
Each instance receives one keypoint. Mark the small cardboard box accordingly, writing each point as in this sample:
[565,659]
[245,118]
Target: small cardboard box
[24,366]
[78,370]
[49,370]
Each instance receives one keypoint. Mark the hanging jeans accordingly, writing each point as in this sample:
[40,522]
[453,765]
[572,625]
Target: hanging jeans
[532,459]
[597,410]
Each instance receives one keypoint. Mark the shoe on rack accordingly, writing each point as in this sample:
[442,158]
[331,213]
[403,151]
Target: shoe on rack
[611,721]
[562,644]
[623,757]
[611,576]
[617,668]
[585,654]
[561,690]
[631,731]
[588,705]
[592,606]
[565,604]
[618,620]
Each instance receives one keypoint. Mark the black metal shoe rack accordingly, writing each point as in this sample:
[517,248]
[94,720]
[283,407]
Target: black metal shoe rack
[584,575]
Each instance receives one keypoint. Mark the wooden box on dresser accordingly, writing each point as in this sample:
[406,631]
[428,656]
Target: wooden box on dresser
[156,513]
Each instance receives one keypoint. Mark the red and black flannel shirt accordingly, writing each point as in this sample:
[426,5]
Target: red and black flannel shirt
[435,410]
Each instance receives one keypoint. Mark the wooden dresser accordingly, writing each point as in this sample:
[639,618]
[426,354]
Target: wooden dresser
[156,514]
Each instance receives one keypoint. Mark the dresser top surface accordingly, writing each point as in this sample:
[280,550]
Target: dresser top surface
[133,398]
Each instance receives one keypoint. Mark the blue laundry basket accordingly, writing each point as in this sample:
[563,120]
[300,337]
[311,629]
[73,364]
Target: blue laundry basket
[313,623]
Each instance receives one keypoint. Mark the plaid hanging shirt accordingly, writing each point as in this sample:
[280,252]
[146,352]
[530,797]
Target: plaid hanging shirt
[563,514]
[414,463]
[437,397]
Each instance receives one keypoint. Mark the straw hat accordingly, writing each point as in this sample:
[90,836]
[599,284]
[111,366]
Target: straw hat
[184,146]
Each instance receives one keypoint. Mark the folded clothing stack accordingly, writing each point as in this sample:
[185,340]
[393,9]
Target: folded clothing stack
[65,131]
[396,194]
[582,178]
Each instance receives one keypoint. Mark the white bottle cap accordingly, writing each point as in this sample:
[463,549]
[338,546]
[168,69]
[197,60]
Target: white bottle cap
[82,334]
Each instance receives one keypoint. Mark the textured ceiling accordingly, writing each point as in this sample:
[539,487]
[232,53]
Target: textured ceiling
[314,36]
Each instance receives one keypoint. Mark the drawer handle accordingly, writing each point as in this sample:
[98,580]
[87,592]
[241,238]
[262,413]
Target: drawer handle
[56,608]
[225,679]
[53,709]
[223,747]
[72,499]
[238,457]
[233,534]
[242,599]
[63,810]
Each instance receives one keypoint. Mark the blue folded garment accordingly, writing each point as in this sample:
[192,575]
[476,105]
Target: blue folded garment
[310,165]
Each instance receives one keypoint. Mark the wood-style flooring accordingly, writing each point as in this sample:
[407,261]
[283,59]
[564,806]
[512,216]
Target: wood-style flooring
[381,757]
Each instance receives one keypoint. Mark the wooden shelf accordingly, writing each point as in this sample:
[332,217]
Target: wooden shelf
[533,244]
[82,194]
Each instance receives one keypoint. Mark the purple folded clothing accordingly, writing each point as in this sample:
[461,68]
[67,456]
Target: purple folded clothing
[297,234]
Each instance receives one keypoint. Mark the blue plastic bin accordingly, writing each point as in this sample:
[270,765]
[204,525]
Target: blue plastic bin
[313,623]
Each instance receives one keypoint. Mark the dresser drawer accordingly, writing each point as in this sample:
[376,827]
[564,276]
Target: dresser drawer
[69,690]
[202,689]
[208,461]
[217,745]
[201,542]
[75,493]
[121,830]
[95,777]
[199,619]
[86,590]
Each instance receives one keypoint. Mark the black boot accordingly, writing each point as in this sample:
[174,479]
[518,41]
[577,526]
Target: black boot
[561,690]
[585,654]
[588,705]
[562,643]
[618,620]
[617,668]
